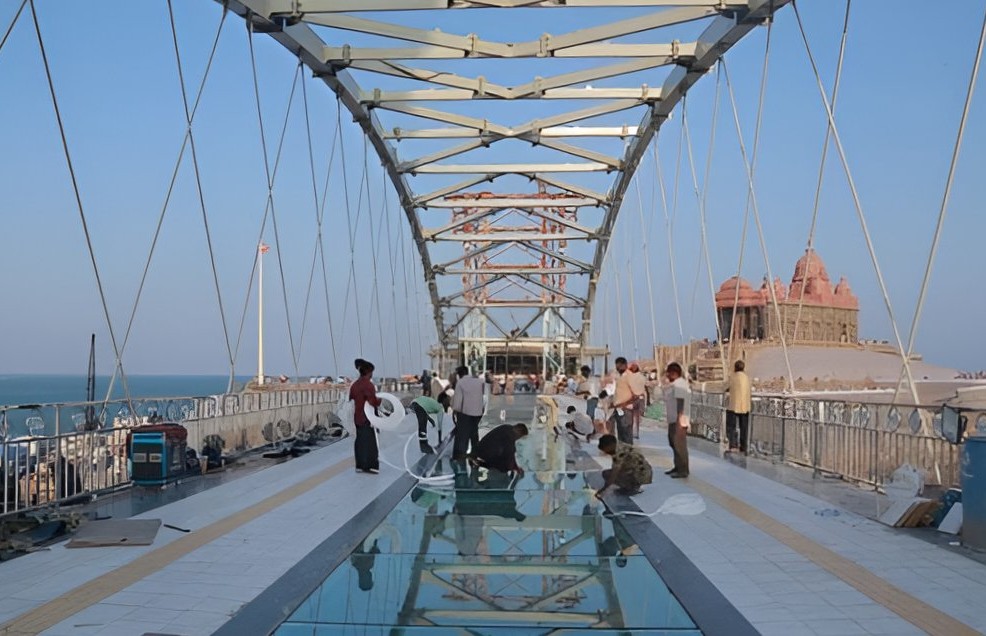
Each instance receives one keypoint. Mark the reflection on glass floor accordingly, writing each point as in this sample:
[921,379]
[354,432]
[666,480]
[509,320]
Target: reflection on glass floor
[496,555]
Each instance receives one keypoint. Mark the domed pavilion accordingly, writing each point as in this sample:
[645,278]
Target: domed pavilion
[812,309]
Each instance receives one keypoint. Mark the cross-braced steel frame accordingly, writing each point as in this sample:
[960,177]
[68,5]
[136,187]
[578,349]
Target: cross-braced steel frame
[397,78]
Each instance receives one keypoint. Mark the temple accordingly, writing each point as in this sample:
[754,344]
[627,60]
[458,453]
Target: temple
[812,309]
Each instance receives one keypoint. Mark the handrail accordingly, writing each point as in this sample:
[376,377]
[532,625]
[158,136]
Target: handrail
[860,441]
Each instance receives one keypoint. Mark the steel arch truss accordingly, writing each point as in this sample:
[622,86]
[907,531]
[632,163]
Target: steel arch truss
[493,204]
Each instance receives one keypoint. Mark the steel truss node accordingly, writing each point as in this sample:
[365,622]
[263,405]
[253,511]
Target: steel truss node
[507,251]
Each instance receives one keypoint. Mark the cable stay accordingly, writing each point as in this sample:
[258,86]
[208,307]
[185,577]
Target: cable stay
[81,210]
[10,27]
[760,235]
[645,237]
[318,251]
[351,283]
[702,198]
[187,137]
[933,250]
[755,155]
[374,248]
[669,227]
[268,206]
[859,207]
[271,176]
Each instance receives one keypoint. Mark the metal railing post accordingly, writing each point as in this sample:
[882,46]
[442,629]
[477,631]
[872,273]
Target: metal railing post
[816,439]
[58,453]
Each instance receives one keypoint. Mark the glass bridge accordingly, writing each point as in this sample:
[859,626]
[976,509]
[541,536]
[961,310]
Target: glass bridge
[498,554]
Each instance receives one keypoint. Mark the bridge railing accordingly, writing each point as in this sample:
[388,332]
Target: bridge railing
[53,453]
[862,442]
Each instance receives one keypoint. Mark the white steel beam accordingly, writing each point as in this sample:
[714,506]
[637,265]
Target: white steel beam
[614,51]
[525,203]
[508,168]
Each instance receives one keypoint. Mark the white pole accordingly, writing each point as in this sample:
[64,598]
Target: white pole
[260,313]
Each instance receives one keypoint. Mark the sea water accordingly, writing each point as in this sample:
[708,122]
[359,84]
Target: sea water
[49,389]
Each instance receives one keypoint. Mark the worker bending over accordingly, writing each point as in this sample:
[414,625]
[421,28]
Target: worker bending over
[498,448]
[630,470]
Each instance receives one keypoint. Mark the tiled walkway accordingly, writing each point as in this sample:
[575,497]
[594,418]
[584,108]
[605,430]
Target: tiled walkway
[781,589]
[781,557]
[192,589]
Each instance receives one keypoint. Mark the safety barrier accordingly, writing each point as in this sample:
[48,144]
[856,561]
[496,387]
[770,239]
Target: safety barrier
[862,442]
[53,453]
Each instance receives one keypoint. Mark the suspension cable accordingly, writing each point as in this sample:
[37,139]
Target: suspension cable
[407,308]
[373,248]
[645,235]
[6,34]
[391,250]
[419,308]
[821,168]
[702,198]
[760,235]
[933,251]
[758,126]
[171,185]
[858,205]
[270,182]
[81,209]
[351,282]
[268,207]
[318,249]
[669,227]
[633,304]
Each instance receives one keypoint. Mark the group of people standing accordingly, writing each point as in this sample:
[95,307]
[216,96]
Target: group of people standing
[618,428]
[465,395]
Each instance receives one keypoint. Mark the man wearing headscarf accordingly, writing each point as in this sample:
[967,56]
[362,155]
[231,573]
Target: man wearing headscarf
[362,392]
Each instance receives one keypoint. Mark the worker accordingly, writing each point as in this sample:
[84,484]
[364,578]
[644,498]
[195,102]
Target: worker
[579,424]
[429,409]
[363,392]
[498,448]
[630,470]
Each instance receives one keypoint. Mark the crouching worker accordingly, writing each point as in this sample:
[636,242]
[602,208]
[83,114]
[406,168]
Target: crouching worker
[428,409]
[630,470]
[579,424]
[498,448]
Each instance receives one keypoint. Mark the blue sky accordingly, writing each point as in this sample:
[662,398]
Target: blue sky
[903,85]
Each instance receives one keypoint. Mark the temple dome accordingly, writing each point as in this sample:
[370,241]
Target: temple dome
[747,296]
[809,267]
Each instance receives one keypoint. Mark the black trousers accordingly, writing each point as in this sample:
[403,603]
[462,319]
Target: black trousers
[422,421]
[678,438]
[466,434]
[738,430]
[623,428]
[367,456]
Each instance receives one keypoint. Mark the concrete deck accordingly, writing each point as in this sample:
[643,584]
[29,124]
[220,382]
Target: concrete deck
[790,562]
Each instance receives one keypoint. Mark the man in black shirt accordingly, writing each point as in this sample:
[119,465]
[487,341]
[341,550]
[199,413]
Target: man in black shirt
[498,448]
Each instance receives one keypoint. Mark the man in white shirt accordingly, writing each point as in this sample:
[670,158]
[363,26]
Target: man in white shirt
[677,406]
[588,389]
[467,410]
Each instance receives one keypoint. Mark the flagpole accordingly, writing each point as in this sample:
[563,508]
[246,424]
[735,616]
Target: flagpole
[262,249]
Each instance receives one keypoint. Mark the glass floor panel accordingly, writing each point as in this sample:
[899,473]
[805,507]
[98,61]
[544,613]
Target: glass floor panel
[497,555]
[305,629]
